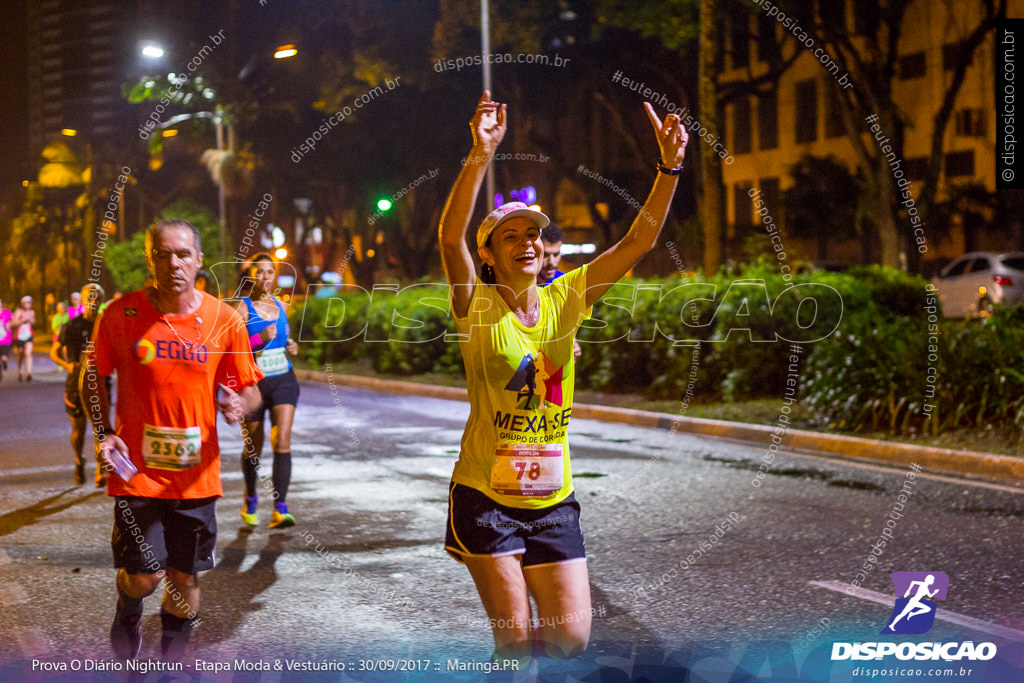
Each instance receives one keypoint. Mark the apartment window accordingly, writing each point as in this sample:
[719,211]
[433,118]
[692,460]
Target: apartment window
[960,163]
[833,14]
[970,123]
[803,13]
[739,40]
[951,54]
[741,127]
[767,44]
[768,120]
[742,208]
[806,111]
[866,17]
[834,126]
[912,66]
[916,168]
[772,196]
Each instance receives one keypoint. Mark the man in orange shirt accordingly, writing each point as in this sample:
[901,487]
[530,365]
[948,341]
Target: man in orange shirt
[172,347]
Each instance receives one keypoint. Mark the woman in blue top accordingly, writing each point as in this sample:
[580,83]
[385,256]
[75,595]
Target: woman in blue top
[266,322]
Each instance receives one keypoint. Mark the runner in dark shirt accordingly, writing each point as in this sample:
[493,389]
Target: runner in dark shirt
[72,342]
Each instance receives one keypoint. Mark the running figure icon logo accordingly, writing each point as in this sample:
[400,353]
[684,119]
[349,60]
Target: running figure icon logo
[914,613]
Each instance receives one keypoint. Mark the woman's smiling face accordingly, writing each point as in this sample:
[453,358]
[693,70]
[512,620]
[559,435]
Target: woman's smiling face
[515,249]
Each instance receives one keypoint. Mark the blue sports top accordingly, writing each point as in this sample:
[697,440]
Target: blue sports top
[272,359]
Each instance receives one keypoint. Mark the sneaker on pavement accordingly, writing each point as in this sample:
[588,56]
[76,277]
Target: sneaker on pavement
[249,513]
[281,519]
[126,633]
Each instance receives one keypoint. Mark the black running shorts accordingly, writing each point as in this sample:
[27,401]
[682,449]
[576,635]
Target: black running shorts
[151,534]
[478,526]
[275,390]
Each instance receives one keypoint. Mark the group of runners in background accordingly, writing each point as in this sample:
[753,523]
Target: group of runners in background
[17,329]
[182,355]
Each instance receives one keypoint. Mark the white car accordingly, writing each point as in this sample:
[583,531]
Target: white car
[972,284]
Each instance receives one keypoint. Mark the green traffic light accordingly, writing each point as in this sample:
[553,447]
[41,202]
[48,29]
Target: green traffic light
[383,204]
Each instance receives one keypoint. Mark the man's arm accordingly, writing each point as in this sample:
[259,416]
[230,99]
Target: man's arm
[57,356]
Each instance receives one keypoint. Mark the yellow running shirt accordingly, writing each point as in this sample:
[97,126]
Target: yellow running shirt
[515,448]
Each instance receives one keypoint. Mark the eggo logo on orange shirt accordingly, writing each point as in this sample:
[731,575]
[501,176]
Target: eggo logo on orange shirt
[169,349]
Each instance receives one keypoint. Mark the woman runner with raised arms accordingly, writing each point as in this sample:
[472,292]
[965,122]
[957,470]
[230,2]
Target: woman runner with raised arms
[512,516]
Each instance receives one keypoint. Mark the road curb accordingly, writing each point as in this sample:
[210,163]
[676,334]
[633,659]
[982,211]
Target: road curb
[988,465]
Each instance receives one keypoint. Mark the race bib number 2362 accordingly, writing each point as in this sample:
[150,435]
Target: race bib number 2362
[172,448]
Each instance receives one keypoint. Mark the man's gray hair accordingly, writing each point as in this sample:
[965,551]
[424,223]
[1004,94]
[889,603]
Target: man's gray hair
[160,226]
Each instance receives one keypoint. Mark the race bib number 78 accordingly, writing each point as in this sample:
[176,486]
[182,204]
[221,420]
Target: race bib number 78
[533,470]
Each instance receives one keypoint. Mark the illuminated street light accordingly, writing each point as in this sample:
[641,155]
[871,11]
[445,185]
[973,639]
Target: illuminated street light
[152,51]
[70,132]
[285,51]
[281,253]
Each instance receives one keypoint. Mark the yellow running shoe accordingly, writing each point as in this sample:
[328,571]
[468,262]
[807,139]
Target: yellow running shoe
[249,514]
[281,519]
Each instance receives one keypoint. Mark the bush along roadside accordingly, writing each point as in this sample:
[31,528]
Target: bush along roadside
[868,362]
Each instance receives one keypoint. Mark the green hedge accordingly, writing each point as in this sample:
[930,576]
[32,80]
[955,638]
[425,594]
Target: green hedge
[401,331]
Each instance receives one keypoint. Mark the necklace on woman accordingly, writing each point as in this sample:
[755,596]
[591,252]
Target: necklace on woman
[530,317]
[265,305]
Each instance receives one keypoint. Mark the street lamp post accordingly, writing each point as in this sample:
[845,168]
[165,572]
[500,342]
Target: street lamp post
[485,49]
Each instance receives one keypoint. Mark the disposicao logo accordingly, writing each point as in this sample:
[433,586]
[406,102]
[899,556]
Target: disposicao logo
[912,614]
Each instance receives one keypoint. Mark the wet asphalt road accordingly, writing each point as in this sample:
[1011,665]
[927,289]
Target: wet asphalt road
[363,575]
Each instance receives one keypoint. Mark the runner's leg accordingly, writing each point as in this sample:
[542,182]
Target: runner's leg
[252,438]
[562,592]
[252,450]
[281,417]
[502,588]
[178,613]
[77,439]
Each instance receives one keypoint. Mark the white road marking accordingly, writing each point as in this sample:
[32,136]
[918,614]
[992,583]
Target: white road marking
[31,641]
[406,430]
[988,627]
[12,594]
[37,470]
